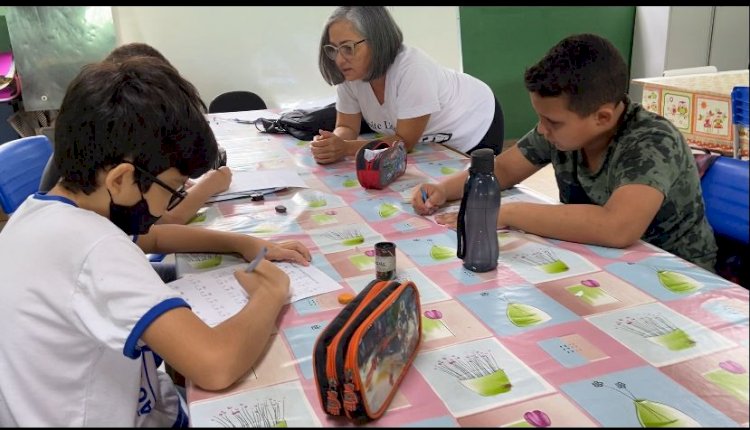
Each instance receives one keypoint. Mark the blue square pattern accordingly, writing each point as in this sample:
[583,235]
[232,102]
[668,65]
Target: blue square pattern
[512,310]
[667,277]
[643,397]
[302,341]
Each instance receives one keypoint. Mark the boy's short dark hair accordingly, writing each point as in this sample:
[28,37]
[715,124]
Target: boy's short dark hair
[587,68]
[135,49]
[140,110]
[128,50]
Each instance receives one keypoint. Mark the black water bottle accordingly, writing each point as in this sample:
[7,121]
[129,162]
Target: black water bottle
[477,215]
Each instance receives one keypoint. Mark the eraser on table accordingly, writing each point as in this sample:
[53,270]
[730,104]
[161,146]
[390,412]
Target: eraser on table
[281,209]
[345,298]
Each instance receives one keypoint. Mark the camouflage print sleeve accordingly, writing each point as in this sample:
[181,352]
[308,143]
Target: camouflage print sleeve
[653,160]
[535,148]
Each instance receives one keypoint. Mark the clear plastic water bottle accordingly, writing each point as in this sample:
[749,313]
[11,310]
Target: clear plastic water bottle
[477,217]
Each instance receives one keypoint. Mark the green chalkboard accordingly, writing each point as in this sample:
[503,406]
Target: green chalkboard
[4,36]
[499,43]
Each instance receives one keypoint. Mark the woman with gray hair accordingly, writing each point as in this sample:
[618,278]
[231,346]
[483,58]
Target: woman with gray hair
[398,90]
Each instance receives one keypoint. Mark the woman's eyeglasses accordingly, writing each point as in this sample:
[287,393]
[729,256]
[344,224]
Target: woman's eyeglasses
[177,195]
[346,49]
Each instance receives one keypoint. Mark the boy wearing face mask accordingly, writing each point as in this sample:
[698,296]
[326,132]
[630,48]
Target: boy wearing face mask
[85,321]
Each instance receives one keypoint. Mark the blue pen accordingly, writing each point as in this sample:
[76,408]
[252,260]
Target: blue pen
[258,258]
[424,195]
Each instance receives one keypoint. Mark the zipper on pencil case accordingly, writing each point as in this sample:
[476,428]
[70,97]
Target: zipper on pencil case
[322,380]
[332,358]
[356,384]
[333,402]
[355,407]
[346,334]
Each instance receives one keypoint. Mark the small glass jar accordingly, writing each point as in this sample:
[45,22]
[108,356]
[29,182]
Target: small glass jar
[385,260]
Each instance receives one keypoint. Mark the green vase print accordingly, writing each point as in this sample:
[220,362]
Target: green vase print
[439,252]
[386,210]
[557,266]
[281,423]
[317,203]
[302,142]
[265,228]
[430,325]
[199,217]
[350,182]
[205,262]
[362,262]
[433,327]
[678,283]
[489,385]
[323,218]
[657,329]
[351,237]
[478,371]
[655,414]
[545,260]
[651,413]
[358,240]
[732,383]
[445,170]
[522,315]
[676,340]
[591,295]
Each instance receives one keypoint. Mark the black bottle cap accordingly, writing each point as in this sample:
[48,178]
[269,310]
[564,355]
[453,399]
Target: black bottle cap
[482,161]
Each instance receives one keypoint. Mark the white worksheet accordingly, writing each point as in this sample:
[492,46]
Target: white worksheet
[216,295]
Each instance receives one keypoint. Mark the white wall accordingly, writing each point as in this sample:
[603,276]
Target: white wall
[271,51]
[649,45]
[731,30]
[689,38]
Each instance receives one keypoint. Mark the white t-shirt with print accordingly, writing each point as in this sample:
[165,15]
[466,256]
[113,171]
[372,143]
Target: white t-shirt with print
[77,294]
[461,107]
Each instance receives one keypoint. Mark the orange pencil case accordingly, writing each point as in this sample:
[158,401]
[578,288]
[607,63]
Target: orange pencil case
[360,358]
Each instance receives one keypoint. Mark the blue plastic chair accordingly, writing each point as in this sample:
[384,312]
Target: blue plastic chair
[726,193]
[155,258]
[740,116]
[22,162]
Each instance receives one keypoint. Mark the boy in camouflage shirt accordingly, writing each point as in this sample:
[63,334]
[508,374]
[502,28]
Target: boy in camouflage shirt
[624,173]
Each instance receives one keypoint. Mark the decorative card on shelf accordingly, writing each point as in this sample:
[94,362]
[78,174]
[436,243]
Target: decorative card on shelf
[651,98]
[712,117]
[678,108]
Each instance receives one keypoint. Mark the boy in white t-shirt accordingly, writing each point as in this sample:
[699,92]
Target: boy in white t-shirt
[399,91]
[84,320]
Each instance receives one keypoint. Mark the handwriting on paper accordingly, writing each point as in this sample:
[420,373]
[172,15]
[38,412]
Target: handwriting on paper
[216,295]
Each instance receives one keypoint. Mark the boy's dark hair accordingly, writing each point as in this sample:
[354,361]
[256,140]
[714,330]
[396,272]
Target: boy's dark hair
[140,110]
[585,67]
[134,49]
